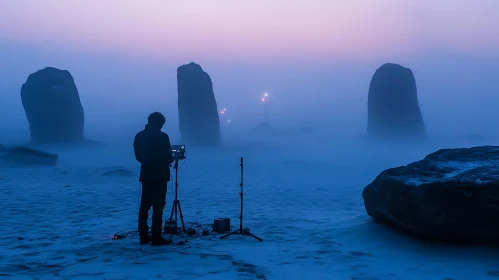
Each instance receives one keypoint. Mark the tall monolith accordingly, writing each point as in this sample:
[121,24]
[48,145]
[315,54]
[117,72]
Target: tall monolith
[393,106]
[53,108]
[199,122]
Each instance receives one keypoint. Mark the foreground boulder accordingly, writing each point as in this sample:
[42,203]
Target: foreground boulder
[450,195]
[53,108]
[199,122]
[393,107]
[26,156]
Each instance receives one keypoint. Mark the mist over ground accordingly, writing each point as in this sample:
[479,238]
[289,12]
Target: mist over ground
[457,93]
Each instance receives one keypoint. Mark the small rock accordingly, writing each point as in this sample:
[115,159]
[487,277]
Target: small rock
[29,156]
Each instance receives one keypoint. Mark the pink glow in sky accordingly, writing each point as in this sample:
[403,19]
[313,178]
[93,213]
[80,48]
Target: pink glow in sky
[324,28]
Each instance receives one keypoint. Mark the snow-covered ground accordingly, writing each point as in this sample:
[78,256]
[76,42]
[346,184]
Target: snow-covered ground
[306,203]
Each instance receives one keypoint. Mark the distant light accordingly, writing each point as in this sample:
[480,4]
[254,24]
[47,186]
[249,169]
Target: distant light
[222,112]
[266,95]
[263,99]
[225,109]
[228,120]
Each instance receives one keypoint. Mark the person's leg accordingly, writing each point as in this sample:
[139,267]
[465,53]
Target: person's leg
[159,203]
[146,201]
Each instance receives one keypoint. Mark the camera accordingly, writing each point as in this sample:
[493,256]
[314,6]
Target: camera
[178,152]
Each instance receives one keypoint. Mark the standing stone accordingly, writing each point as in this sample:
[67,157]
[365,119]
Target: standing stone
[53,108]
[393,107]
[199,122]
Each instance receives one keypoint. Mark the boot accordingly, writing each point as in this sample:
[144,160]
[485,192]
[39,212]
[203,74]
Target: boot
[159,240]
[144,239]
[156,230]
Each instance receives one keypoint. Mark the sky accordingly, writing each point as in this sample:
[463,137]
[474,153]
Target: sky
[219,28]
[314,57]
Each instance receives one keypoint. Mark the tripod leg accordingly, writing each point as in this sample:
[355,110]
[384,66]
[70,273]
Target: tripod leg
[230,233]
[173,211]
[252,235]
[176,213]
[181,216]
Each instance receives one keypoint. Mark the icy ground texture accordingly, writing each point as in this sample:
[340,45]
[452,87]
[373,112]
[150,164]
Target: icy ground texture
[57,222]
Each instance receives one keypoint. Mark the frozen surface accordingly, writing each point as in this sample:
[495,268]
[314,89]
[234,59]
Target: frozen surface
[57,222]
[457,167]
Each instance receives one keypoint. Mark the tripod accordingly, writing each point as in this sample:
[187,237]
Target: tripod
[176,209]
[241,230]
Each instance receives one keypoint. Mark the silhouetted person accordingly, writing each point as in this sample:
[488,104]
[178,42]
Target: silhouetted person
[153,150]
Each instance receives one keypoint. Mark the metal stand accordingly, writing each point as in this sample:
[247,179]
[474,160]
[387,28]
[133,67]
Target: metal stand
[176,209]
[241,230]
[266,114]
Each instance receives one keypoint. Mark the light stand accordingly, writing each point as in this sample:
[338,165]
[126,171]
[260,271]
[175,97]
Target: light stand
[265,112]
[241,230]
[266,115]
[176,209]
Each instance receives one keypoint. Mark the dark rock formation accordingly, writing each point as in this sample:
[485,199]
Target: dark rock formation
[53,108]
[18,156]
[199,122]
[393,107]
[450,195]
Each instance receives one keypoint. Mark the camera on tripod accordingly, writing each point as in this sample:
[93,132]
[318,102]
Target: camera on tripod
[178,152]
